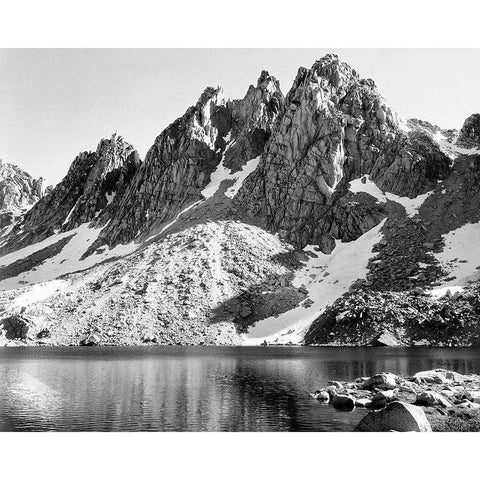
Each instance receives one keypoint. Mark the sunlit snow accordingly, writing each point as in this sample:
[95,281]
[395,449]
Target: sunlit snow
[326,277]
[411,205]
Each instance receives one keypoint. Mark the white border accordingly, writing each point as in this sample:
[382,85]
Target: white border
[249,23]
[349,23]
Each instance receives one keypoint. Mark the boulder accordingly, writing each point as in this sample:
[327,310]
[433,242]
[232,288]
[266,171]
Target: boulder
[388,395]
[429,398]
[343,402]
[398,416]
[472,395]
[435,376]
[363,402]
[45,333]
[332,391]
[382,381]
[321,396]
[15,326]
[90,340]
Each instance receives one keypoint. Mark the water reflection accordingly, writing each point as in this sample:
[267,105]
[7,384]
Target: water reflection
[196,389]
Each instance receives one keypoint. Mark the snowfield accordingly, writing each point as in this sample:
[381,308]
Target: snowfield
[39,292]
[461,255]
[326,277]
[411,205]
[66,261]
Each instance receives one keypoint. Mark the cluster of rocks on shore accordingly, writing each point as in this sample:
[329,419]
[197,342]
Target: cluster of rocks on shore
[404,403]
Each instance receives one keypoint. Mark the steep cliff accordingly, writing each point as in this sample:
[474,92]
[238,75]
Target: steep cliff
[214,135]
[91,183]
[336,127]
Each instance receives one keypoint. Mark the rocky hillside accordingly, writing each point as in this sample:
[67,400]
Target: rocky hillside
[262,219]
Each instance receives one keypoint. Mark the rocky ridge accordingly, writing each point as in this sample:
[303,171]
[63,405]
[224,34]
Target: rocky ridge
[167,255]
[214,134]
[91,183]
[336,127]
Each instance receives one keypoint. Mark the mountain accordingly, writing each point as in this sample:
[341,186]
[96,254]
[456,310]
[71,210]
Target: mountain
[270,218]
[19,191]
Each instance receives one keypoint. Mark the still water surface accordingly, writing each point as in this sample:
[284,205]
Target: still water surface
[194,388]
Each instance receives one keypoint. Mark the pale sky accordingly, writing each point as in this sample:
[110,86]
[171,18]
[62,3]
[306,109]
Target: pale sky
[56,103]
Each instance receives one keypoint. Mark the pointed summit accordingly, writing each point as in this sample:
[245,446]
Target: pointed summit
[90,185]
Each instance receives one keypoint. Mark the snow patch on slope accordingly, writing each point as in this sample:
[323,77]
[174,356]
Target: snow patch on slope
[68,260]
[440,292]
[326,277]
[461,254]
[452,150]
[411,205]
[240,176]
[39,292]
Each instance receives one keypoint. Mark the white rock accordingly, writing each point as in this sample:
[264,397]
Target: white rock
[383,381]
[398,416]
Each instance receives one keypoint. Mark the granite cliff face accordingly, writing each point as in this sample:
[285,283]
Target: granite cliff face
[336,127]
[469,135]
[184,156]
[248,218]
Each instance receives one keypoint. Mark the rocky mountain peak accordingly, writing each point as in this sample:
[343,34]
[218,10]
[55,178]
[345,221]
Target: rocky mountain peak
[213,134]
[91,183]
[469,135]
[335,128]
[18,189]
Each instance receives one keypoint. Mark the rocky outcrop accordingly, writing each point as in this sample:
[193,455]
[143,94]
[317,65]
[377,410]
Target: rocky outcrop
[335,128]
[18,189]
[215,132]
[15,327]
[91,183]
[411,318]
[469,135]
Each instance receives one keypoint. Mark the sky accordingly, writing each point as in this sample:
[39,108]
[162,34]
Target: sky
[55,103]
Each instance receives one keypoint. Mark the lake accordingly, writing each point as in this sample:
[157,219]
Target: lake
[194,388]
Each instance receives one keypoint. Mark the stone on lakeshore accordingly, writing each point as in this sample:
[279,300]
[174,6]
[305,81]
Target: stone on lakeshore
[388,395]
[332,391]
[437,376]
[321,396]
[398,416]
[335,384]
[343,402]
[382,381]
[90,341]
[363,402]
[429,398]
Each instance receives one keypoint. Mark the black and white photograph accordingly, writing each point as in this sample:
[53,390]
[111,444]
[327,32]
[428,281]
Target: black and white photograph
[209,238]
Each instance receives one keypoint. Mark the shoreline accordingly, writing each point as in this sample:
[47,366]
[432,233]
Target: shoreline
[18,344]
[437,400]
